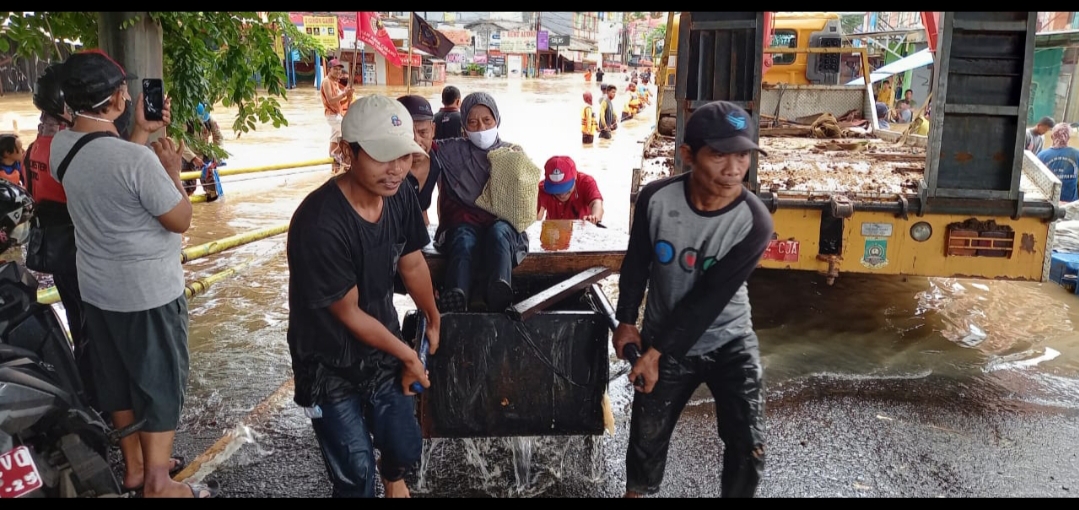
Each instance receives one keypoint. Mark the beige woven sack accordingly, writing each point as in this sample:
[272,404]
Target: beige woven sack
[512,191]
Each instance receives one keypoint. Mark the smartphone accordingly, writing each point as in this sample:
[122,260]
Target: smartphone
[153,98]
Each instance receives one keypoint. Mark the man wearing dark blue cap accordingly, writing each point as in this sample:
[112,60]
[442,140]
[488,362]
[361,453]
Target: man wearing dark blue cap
[694,241]
[423,176]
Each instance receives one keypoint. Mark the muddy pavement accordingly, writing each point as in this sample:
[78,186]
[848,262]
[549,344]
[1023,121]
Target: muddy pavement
[827,437]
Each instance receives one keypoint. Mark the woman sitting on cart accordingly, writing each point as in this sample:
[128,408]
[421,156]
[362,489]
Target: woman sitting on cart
[469,236]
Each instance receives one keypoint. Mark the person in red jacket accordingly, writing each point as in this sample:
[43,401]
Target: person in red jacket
[50,214]
[566,194]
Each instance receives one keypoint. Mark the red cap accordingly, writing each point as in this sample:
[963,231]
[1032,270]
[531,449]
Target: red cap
[336,63]
[561,174]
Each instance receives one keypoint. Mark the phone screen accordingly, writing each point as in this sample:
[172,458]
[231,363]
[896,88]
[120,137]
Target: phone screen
[153,95]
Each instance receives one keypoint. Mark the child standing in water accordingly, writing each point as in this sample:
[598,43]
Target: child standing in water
[589,123]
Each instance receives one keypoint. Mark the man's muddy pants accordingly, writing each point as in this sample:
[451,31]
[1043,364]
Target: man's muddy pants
[733,374]
[345,431]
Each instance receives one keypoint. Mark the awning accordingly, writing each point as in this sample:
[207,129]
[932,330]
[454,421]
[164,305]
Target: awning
[920,59]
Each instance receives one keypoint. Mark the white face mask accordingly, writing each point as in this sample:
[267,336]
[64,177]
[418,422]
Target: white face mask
[483,139]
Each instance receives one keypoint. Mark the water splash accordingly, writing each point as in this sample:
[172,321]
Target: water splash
[993,317]
[237,437]
[509,467]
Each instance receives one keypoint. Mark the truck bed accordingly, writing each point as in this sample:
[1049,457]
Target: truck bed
[797,164]
[870,166]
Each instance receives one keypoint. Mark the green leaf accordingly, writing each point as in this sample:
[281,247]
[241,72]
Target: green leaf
[209,58]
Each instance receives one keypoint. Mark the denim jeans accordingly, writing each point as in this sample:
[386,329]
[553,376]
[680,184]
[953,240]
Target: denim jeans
[498,251]
[345,433]
[733,374]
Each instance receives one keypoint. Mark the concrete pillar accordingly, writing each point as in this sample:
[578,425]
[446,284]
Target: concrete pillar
[138,48]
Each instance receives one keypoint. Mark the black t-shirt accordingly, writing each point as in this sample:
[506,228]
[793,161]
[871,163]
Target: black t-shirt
[428,185]
[330,250]
[447,124]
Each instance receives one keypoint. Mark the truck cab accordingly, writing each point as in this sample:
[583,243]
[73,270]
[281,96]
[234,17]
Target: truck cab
[802,30]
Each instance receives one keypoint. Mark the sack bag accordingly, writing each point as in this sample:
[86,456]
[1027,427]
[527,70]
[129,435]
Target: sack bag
[512,191]
[51,249]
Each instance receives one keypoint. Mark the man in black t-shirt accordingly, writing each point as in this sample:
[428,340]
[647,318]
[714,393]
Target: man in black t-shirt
[346,240]
[448,119]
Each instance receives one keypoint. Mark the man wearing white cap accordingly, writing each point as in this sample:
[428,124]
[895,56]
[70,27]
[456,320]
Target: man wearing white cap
[346,240]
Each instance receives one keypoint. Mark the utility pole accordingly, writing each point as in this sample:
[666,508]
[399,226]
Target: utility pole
[625,37]
[138,48]
[536,55]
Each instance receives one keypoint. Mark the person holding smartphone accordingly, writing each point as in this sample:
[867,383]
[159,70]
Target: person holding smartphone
[129,210]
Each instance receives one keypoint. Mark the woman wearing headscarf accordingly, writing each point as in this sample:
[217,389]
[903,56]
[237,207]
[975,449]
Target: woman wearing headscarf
[470,236]
[1063,161]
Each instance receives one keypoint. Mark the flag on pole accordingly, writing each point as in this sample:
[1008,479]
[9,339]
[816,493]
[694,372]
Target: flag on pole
[370,30]
[428,40]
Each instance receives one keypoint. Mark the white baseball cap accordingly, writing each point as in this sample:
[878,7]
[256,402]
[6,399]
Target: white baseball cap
[382,126]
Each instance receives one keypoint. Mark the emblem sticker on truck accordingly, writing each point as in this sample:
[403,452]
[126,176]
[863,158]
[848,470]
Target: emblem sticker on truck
[876,253]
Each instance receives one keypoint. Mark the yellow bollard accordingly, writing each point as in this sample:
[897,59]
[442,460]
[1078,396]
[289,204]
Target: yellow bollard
[221,172]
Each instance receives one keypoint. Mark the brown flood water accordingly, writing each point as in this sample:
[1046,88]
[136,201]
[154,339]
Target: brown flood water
[1019,337]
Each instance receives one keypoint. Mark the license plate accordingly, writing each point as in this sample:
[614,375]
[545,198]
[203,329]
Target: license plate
[18,474]
[782,251]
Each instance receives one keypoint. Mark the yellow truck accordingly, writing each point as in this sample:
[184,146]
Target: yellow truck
[791,30]
[966,201]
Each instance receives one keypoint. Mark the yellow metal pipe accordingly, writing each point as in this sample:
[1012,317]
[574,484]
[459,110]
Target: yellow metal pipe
[201,285]
[48,296]
[220,245]
[198,198]
[254,169]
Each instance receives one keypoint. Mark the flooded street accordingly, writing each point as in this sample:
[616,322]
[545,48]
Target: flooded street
[876,387]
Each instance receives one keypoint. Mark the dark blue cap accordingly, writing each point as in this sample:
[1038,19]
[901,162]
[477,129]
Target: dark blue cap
[723,126]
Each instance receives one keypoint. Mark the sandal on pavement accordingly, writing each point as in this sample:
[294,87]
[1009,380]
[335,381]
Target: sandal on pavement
[204,490]
[180,465]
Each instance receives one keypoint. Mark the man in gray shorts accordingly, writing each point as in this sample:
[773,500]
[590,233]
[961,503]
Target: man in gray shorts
[129,208]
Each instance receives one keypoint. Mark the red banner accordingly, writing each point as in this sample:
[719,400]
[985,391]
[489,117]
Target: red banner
[373,34]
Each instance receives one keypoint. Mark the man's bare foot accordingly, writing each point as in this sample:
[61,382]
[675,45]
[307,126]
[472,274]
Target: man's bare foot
[631,494]
[396,489]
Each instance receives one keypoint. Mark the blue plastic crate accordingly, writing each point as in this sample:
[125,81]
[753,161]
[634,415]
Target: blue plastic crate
[1063,264]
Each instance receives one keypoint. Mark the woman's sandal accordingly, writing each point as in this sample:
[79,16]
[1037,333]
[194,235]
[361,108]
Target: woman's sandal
[180,465]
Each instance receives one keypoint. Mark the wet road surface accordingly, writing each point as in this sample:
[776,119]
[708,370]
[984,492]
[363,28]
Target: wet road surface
[875,387]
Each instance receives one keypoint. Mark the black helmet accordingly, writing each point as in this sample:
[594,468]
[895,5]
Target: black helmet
[47,94]
[16,209]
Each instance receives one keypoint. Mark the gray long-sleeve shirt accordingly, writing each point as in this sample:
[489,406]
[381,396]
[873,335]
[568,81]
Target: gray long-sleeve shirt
[695,265]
